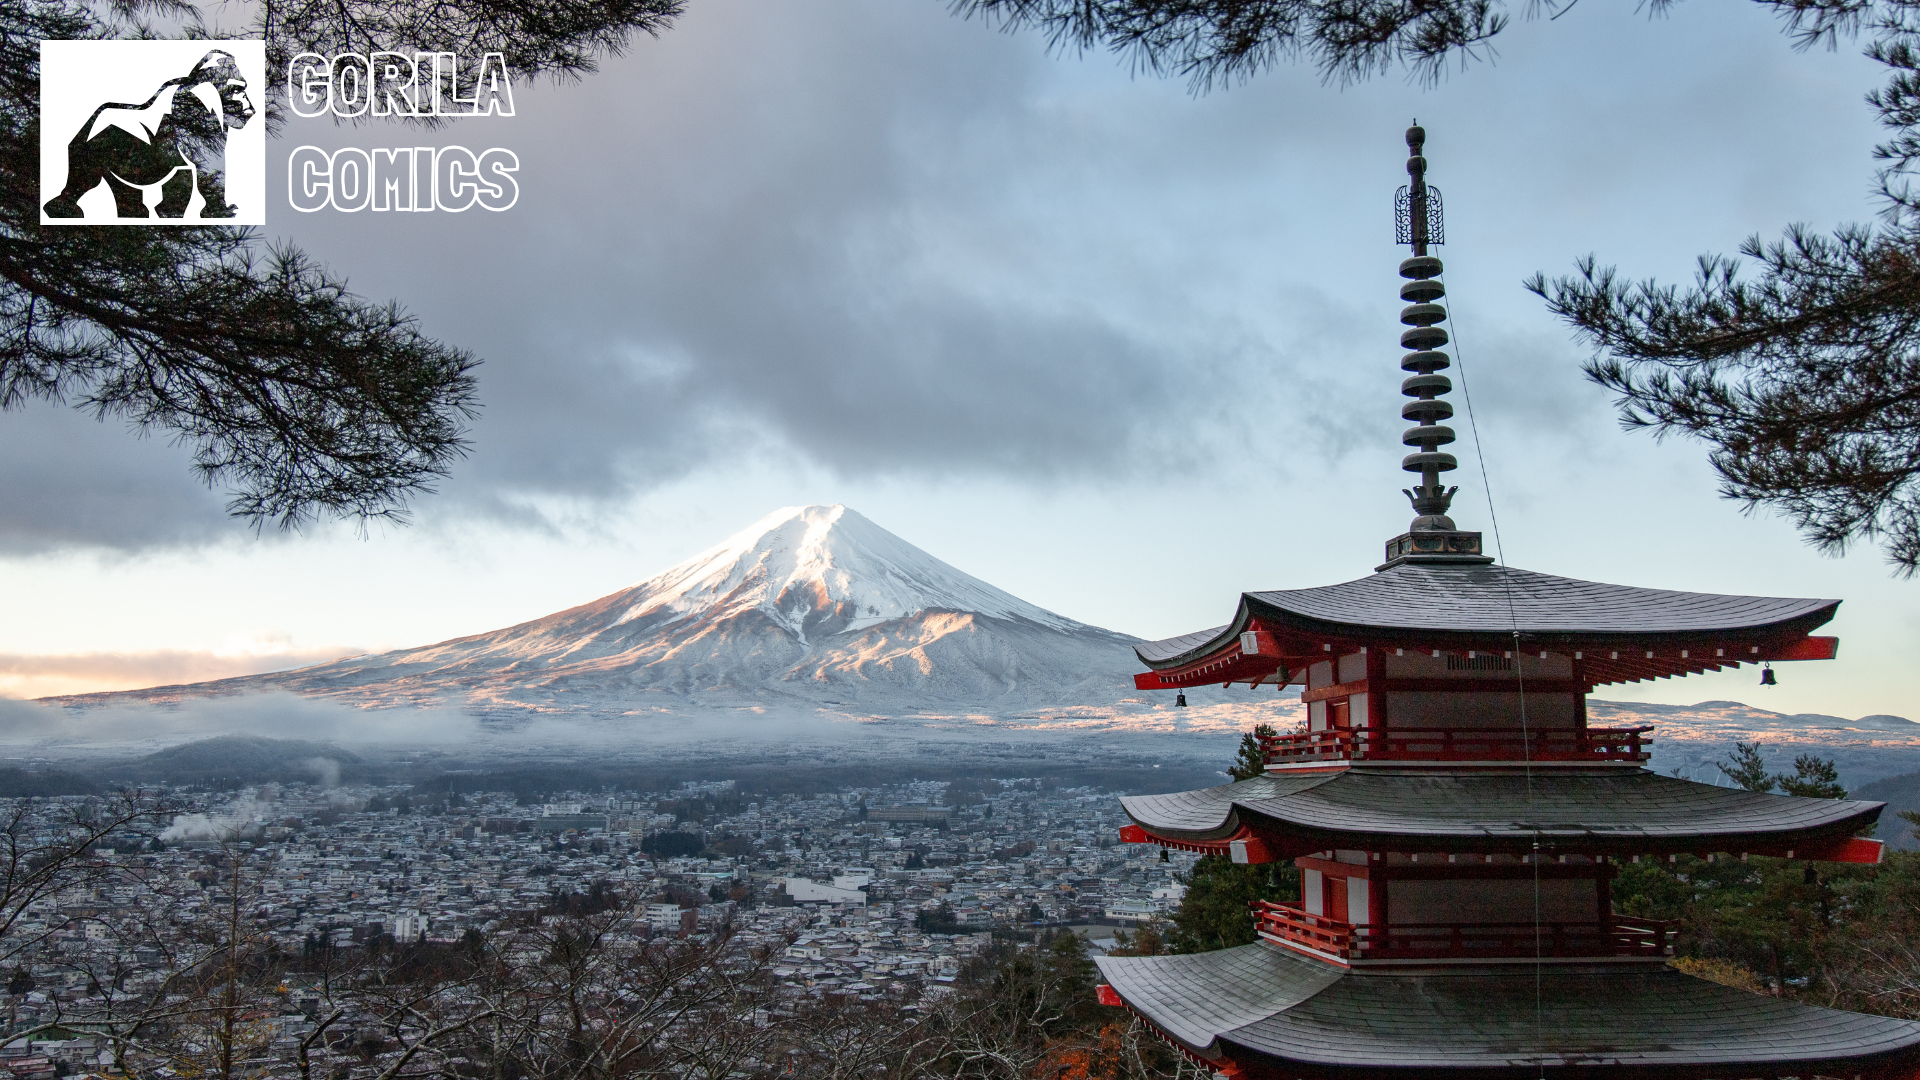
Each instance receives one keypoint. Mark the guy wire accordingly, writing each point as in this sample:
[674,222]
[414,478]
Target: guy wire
[1519,676]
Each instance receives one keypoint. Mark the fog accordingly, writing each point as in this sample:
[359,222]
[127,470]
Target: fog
[35,730]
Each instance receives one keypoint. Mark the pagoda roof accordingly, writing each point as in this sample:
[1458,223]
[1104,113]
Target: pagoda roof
[1481,607]
[1610,810]
[1260,1005]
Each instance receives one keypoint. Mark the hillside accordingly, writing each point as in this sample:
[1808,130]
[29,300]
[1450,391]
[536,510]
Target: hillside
[1899,793]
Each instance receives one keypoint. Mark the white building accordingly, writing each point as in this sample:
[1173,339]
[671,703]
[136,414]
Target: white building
[1133,910]
[809,891]
[408,927]
[663,917]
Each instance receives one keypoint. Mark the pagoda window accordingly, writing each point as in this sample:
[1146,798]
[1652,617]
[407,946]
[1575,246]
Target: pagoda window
[1313,892]
[1339,713]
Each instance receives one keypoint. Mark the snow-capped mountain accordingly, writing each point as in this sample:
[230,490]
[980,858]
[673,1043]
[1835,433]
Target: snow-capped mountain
[821,571]
[811,604]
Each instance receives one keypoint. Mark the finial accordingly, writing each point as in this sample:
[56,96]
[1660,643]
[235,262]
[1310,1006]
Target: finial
[1432,536]
[1417,211]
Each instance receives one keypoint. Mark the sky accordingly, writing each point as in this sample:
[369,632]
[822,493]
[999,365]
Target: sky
[1122,350]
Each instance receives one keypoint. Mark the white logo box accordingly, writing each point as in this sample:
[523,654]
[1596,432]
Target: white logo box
[143,82]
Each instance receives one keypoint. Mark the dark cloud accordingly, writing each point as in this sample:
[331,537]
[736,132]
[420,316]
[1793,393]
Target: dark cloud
[803,233]
[869,237]
[70,480]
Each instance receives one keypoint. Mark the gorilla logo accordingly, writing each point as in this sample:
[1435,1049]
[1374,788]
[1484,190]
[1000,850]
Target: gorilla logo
[176,141]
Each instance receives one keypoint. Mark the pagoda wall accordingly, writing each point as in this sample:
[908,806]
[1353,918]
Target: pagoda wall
[1500,901]
[1480,709]
[1374,889]
[1413,689]
[1419,665]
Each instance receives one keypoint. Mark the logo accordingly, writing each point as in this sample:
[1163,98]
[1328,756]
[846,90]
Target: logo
[404,178]
[152,133]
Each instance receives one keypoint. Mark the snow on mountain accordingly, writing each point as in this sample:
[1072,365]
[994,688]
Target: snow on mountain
[816,610]
[1689,740]
[810,604]
[826,568]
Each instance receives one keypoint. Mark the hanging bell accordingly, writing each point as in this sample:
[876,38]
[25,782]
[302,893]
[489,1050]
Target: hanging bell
[1766,676]
[1180,700]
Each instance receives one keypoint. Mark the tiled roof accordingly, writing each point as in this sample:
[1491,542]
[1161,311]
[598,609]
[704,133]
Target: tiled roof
[1498,600]
[1166,648]
[1263,999]
[1368,808]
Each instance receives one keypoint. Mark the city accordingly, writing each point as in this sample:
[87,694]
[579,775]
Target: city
[877,894]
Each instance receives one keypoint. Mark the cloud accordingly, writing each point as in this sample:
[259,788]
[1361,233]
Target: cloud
[51,731]
[326,771]
[874,239]
[27,675]
[833,236]
[277,715]
[75,481]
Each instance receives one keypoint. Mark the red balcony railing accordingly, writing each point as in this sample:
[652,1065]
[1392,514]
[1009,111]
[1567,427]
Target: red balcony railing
[1290,923]
[1460,744]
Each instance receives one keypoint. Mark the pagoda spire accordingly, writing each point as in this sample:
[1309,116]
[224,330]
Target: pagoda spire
[1432,537]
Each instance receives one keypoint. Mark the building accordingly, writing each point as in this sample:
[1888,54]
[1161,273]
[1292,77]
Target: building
[563,823]
[665,918]
[1135,910]
[911,815]
[1457,821]
[808,891]
[407,927]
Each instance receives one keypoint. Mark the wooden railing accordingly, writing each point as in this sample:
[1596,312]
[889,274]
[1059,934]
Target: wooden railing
[1459,744]
[1290,923]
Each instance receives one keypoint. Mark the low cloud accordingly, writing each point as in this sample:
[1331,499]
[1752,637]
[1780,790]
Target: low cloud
[274,715]
[52,731]
[326,771]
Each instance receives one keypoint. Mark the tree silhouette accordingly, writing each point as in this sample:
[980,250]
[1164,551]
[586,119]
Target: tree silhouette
[302,398]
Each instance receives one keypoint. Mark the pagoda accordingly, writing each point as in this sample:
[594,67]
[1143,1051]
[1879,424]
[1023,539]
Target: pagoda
[1456,821]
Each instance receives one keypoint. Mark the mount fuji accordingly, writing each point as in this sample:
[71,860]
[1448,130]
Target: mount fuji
[817,614]
[813,606]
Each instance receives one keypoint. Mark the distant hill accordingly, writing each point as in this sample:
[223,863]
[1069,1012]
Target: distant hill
[1899,793]
[18,783]
[1690,739]
[239,760]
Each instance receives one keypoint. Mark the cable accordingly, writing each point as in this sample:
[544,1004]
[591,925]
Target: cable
[1519,675]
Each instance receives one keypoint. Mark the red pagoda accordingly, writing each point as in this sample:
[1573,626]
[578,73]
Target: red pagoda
[1457,822]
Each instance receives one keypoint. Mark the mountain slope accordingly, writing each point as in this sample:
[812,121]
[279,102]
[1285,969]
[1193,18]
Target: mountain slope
[814,604]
